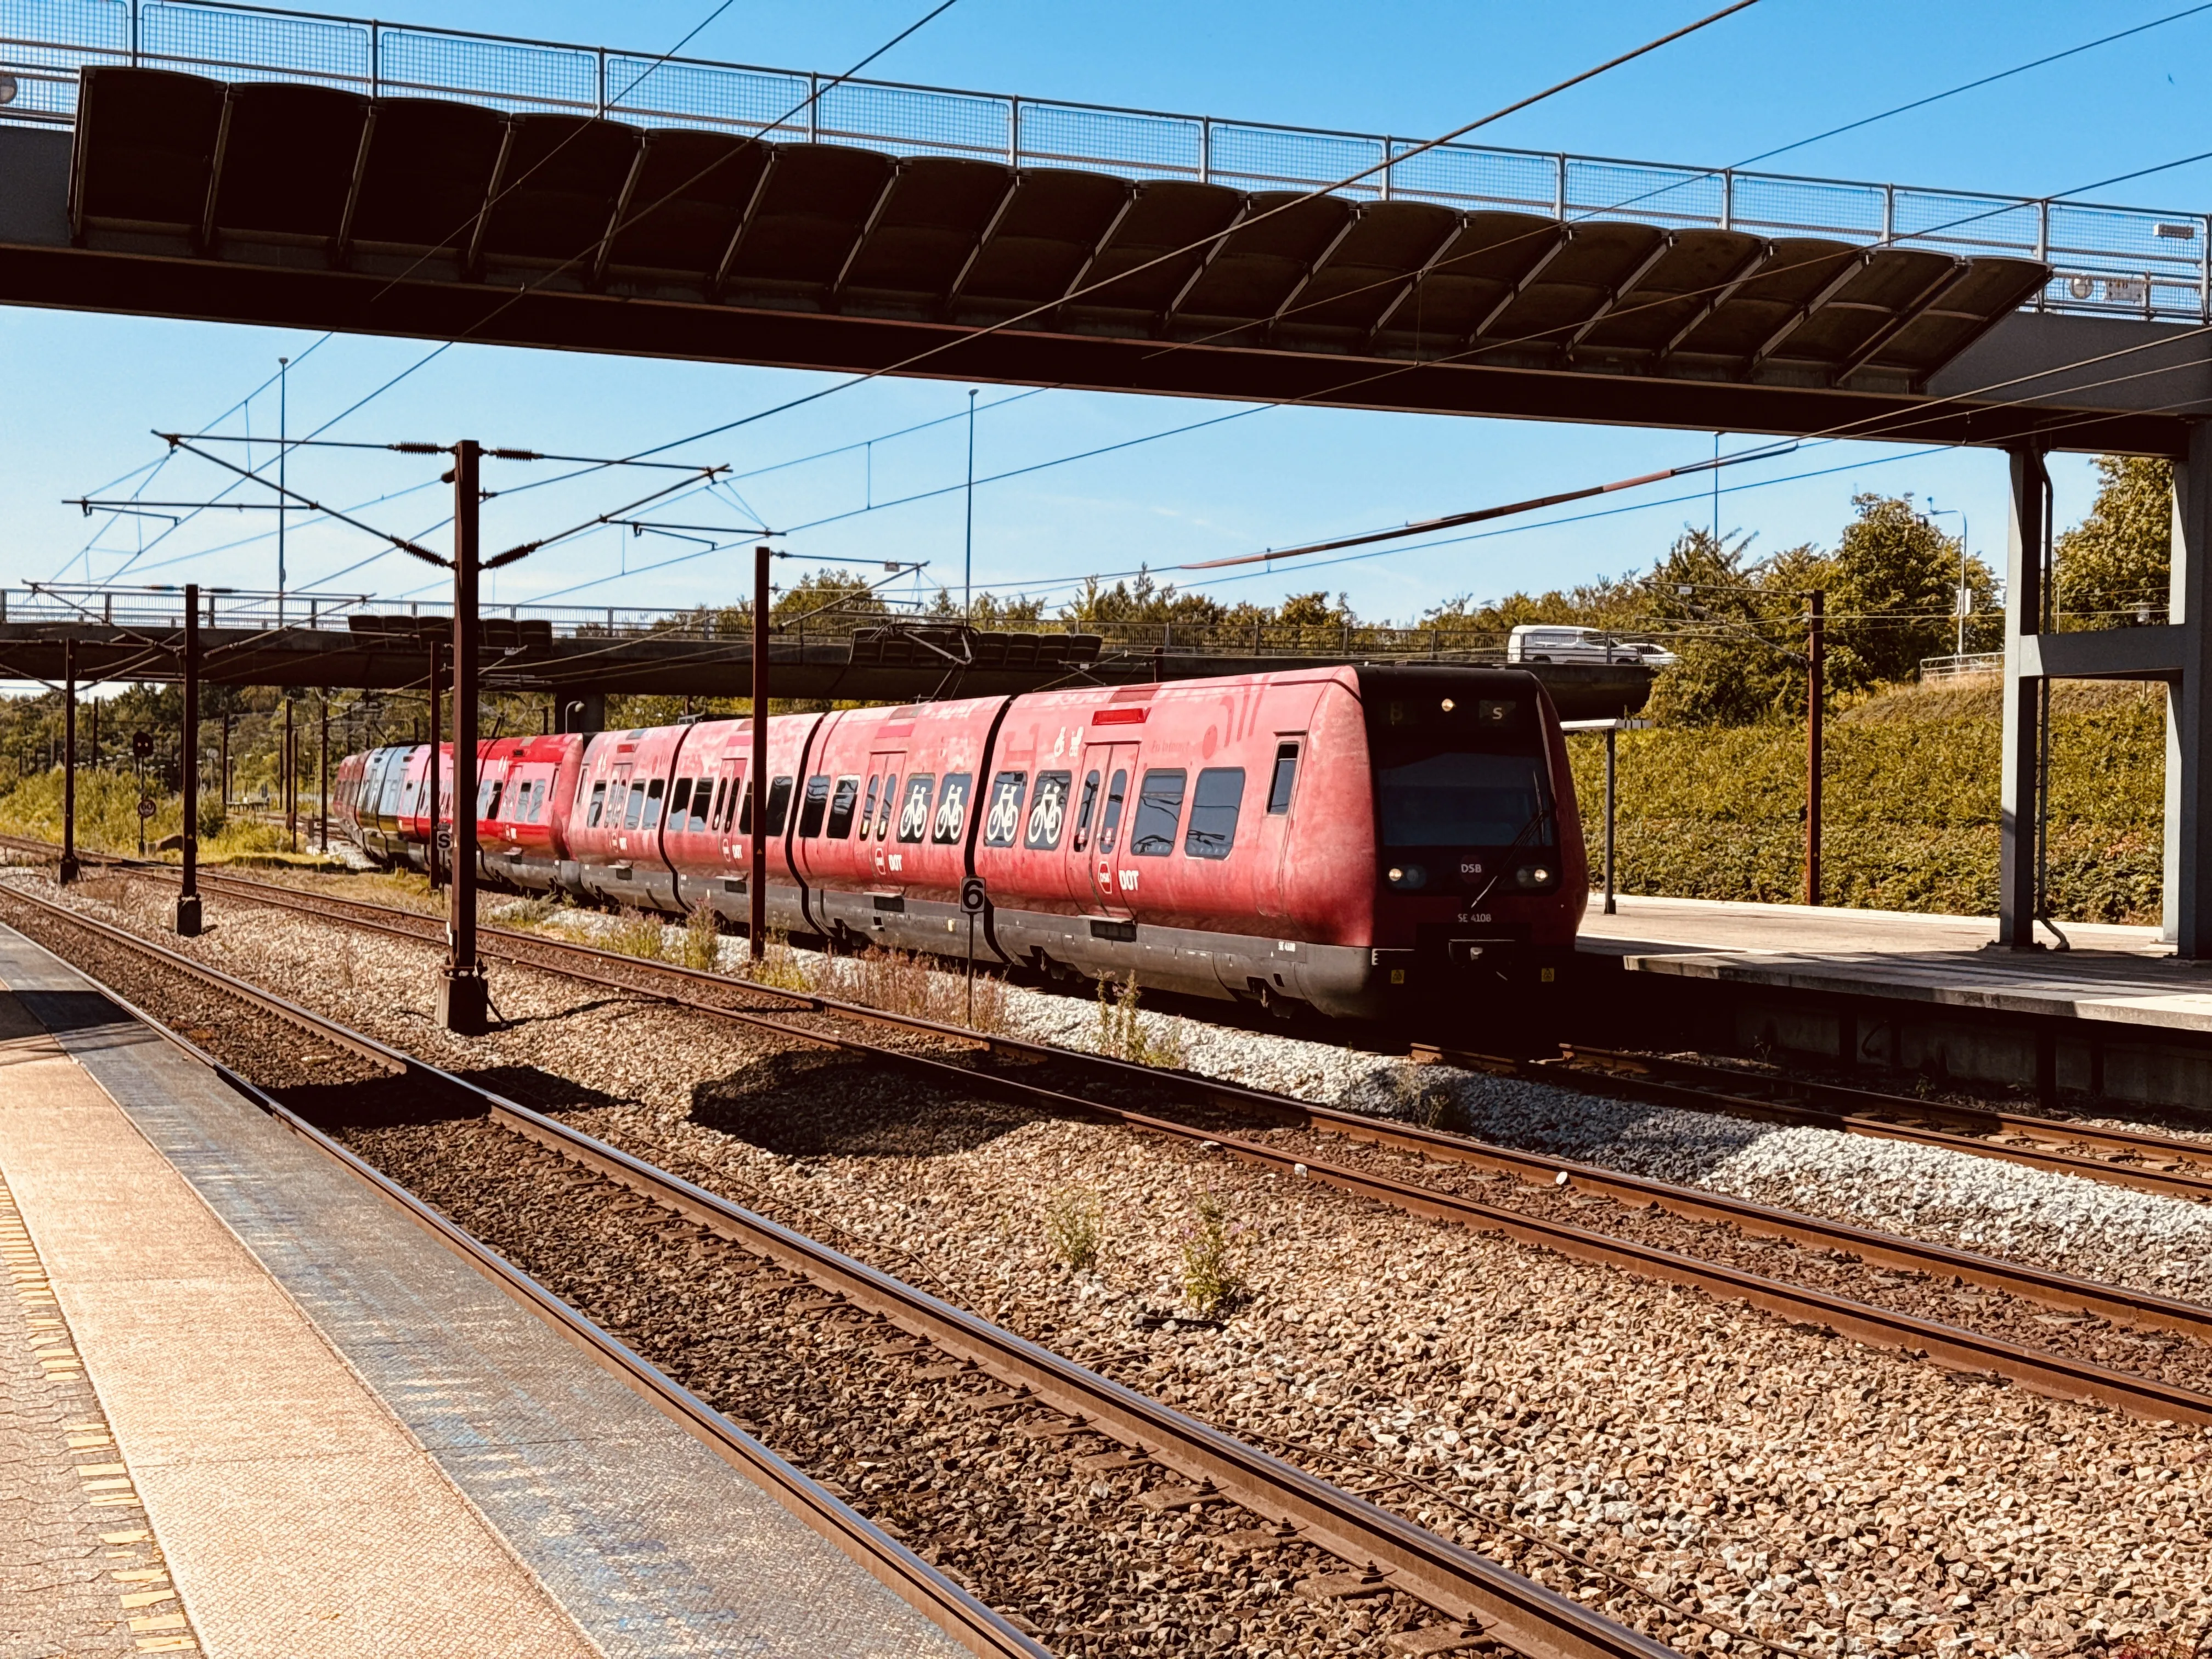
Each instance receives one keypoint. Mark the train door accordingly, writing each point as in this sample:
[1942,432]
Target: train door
[1276,827]
[724,822]
[879,797]
[1098,848]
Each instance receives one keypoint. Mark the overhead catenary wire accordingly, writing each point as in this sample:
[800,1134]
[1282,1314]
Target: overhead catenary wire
[1346,183]
[1458,132]
[1062,460]
[1905,420]
[1490,346]
[820,90]
[1679,183]
[162,460]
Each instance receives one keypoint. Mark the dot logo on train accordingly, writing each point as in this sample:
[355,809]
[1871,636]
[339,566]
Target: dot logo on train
[1344,842]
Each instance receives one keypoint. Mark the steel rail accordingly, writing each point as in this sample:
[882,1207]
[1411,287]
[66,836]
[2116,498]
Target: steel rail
[1503,1605]
[1631,1074]
[2118,1303]
[980,1628]
[1952,1346]
[1855,1111]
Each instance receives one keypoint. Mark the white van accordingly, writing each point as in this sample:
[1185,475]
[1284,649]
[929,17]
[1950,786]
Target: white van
[1546,642]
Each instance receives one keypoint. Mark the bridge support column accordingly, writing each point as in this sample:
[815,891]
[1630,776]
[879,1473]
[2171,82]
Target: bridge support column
[2020,861]
[2188,908]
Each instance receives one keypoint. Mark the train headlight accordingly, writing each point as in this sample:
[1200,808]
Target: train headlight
[1534,878]
[1406,878]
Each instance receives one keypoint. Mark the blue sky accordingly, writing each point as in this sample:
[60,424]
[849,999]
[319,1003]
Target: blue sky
[86,389]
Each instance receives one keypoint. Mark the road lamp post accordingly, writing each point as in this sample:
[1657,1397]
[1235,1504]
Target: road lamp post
[1962,600]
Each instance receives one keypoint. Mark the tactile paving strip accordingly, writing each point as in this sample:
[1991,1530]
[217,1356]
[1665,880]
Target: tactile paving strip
[80,1573]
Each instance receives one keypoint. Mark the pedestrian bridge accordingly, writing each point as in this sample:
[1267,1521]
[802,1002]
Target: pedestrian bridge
[251,166]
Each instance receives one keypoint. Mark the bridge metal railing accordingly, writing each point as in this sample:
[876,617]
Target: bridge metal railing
[2107,260]
[1964,667]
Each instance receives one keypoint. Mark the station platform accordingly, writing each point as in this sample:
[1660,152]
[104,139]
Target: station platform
[248,1408]
[2114,1013]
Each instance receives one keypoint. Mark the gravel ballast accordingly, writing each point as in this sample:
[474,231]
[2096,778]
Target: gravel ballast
[2092,1230]
[1776,1480]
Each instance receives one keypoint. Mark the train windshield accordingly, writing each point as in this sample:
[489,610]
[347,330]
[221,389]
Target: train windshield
[1454,798]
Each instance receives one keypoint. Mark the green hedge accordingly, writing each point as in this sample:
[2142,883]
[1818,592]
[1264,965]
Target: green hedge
[1911,808]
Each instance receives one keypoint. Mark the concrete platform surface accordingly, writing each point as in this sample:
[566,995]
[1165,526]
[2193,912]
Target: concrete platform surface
[255,1411]
[2125,976]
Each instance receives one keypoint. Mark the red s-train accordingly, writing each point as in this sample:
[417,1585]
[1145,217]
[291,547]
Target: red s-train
[1341,838]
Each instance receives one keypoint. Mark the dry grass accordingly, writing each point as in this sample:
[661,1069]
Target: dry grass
[901,984]
[637,934]
[780,967]
[1121,1031]
[701,947]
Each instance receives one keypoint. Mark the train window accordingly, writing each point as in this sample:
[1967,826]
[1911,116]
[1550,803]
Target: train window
[652,803]
[636,805]
[744,812]
[868,807]
[1213,806]
[951,808]
[1460,800]
[1004,820]
[913,814]
[1083,815]
[1110,821]
[1159,813]
[537,793]
[816,803]
[598,805]
[840,807]
[1286,773]
[1047,811]
[679,803]
[703,793]
[714,819]
[780,806]
[778,803]
[488,799]
[883,811]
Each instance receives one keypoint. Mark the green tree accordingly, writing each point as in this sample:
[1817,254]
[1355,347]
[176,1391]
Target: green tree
[1737,625]
[2112,567]
[1891,585]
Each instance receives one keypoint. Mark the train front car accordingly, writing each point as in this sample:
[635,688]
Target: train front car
[1479,874]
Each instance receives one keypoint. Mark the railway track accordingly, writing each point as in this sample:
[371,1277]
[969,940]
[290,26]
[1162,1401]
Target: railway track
[2033,1365]
[1192,1464]
[2165,1165]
